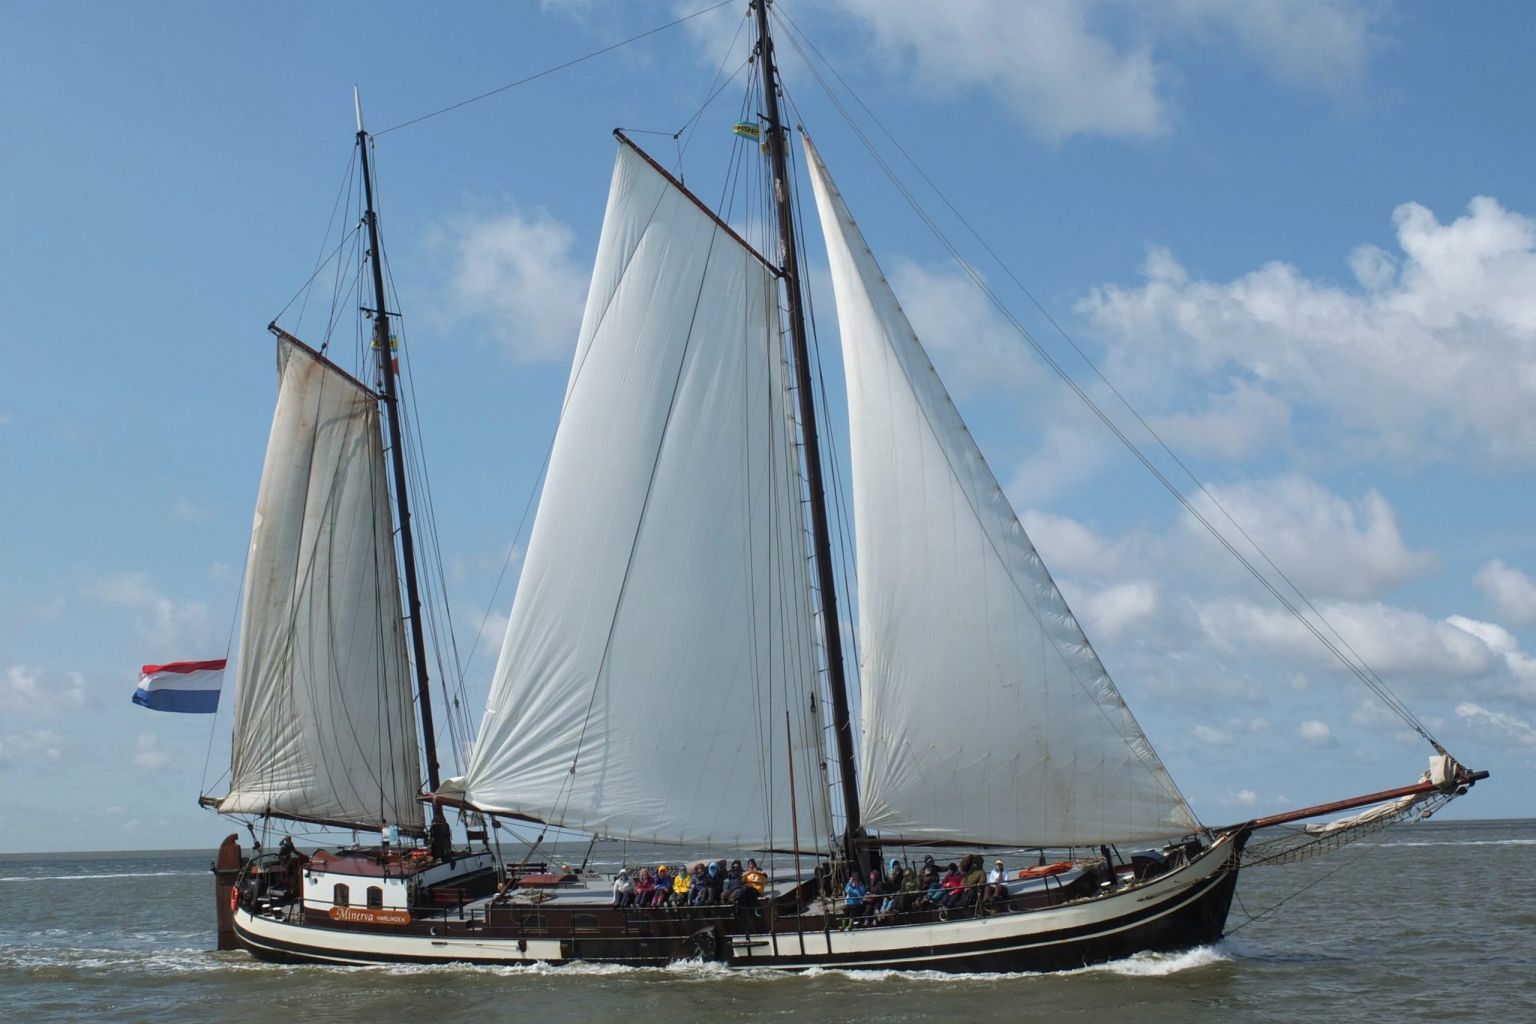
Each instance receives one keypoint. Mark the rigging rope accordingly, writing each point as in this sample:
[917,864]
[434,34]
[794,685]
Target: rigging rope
[551,70]
[1351,661]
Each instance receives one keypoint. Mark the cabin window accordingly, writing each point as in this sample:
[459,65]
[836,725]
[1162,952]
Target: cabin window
[341,896]
[375,896]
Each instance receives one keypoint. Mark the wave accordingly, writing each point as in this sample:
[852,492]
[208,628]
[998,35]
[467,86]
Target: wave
[1161,965]
[81,878]
[69,962]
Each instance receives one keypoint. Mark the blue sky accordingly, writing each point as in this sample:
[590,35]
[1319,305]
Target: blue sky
[1298,235]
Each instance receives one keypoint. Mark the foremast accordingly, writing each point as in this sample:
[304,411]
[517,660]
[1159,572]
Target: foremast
[441,838]
[837,684]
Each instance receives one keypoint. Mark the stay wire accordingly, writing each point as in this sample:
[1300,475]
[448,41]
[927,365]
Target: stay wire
[1356,667]
[1107,707]
[716,87]
[1400,708]
[551,70]
[1268,911]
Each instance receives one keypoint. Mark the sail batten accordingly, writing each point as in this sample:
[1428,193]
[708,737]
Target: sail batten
[986,714]
[323,718]
[644,678]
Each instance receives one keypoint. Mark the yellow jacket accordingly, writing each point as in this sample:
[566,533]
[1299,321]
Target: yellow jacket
[681,882]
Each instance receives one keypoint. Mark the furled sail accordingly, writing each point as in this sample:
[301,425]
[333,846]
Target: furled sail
[323,717]
[661,630]
[986,715]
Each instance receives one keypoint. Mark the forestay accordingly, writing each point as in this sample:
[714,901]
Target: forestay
[323,720]
[661,628]
[986,715]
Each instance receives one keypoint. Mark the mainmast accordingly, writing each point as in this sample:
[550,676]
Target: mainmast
[820,537]
[441,838]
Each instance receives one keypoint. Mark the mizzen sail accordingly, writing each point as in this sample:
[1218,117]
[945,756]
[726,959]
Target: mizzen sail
[986,714]
[323,719]
[662,628]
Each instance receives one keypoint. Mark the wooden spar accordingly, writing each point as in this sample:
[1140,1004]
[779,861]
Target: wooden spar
[442,839]
[831,625]
[703,207]
[1463,778]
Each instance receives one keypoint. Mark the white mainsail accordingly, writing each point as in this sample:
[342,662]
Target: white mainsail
[986,715]
[661,629]
[324,729]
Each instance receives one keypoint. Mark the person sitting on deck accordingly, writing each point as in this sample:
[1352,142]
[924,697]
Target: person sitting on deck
[933,888]
[623,889]
[874,895]
[663,894]
[997,882]
[755,877]
[733,884]
[854,893]
[711,885]
[895,880]
[682,881]
[912,886]
[698,886]
[953,886]
[975,881]
[645,888]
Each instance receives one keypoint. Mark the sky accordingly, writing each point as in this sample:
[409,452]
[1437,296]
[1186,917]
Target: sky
[1298,236]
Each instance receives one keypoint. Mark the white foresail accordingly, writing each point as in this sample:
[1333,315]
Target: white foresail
[661,628]
[324,729]
[986,715]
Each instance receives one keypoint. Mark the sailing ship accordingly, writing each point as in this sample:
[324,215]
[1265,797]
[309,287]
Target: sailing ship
[674,657]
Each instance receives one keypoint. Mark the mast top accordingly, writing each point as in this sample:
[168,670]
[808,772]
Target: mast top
[357,105]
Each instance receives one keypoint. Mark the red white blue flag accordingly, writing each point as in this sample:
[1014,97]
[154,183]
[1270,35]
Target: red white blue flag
[190,687]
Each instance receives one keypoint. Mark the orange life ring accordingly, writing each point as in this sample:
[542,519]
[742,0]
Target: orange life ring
[234,898]
[1045,870]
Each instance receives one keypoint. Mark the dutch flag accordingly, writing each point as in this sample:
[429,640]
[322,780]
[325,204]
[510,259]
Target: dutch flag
[191,687]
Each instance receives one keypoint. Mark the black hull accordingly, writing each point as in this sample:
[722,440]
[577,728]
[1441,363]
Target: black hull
[1166,918]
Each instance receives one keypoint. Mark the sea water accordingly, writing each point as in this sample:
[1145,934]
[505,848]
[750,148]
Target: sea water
[1428,922]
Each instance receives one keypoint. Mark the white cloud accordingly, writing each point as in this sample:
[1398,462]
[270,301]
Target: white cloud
[1328,545]
[973,346]
[1314,733]
[516,275]
[27,689]
[30,746]
[164,624]
[1213,737]
[1497,722]
[1103,67]
[1246,797]
[1407,647]
[1065,458]
[1070,546]
[1045,61]
[1392,640]
[1110,612]
[185,508]
[147,753]
[1239,422]
[1434,349]
[1319,44]
[1512,592]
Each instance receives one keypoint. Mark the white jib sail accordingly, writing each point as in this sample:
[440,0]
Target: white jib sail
[324,728]
[661,628]
[986,715]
